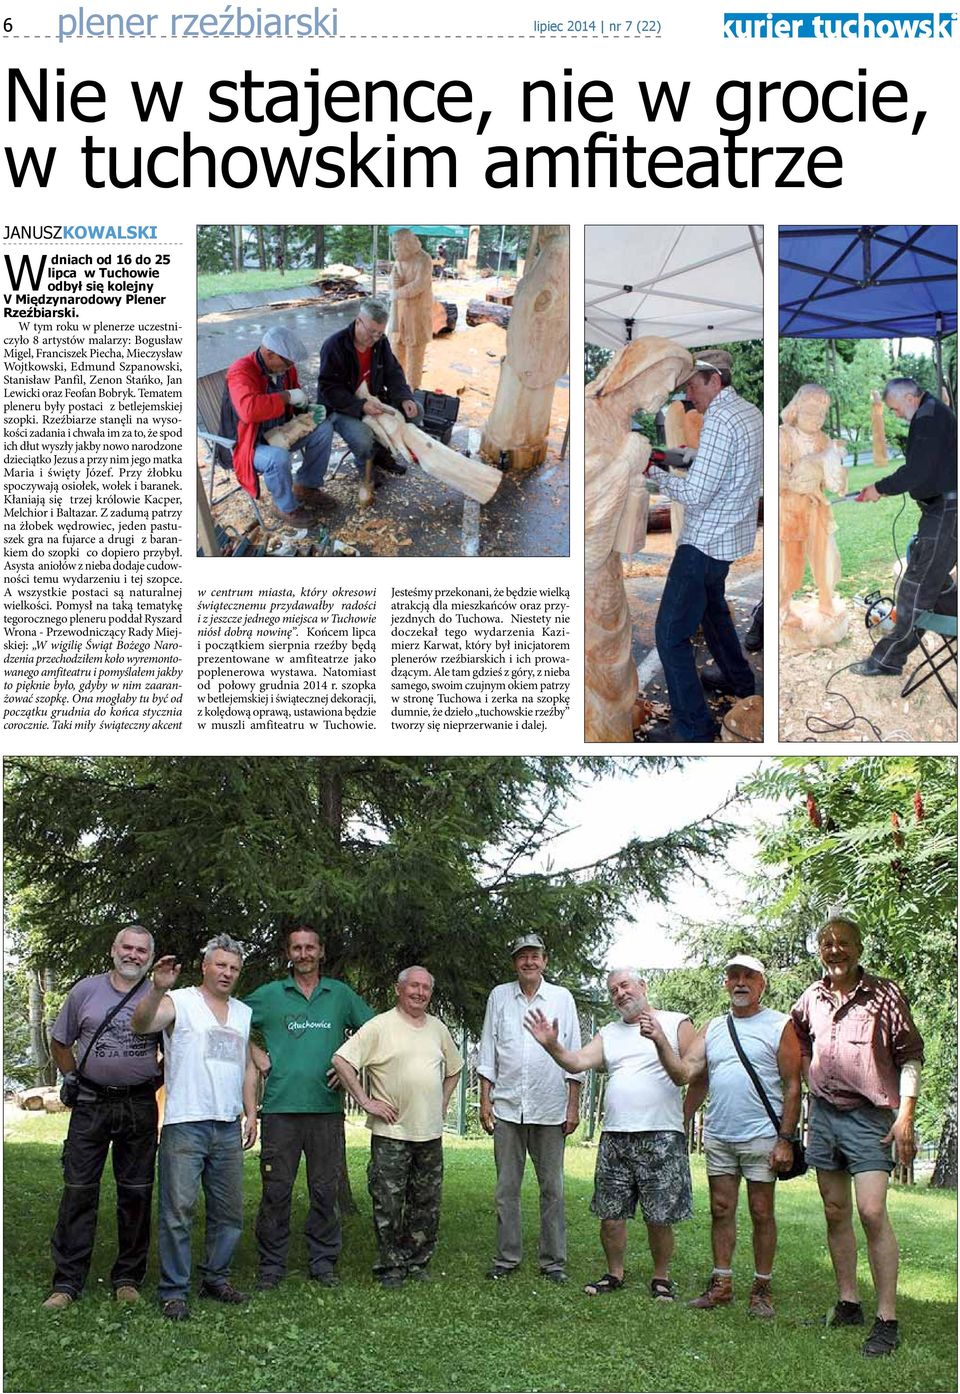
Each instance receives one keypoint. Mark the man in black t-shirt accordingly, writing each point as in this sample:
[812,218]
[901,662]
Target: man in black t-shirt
[928,475]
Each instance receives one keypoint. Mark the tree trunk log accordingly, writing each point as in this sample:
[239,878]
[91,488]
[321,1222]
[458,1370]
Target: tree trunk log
[484,312]
[945,1170]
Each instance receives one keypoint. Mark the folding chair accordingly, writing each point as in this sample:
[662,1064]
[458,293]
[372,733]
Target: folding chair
[209,394]
[934,659]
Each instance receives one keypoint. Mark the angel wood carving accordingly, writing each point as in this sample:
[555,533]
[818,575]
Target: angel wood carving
[810,462]
[616,503]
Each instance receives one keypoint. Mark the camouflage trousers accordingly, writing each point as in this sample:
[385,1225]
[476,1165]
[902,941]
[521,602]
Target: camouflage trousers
[405,1180]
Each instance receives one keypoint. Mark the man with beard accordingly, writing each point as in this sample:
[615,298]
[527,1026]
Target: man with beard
[739,1136]
[642,1155]
[116,1104]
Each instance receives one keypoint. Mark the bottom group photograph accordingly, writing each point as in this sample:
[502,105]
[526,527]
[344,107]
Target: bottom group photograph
[480,1073]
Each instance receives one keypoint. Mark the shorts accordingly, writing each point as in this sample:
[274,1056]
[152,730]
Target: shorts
[848,1139]
[652,1168]
[749,1159]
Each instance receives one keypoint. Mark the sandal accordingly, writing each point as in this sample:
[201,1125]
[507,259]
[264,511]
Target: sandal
[608,1283]
[663,1290]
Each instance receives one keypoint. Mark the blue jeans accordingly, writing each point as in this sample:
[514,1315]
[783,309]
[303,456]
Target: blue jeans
[273,462]
[694,596]
[194,1154]
[358,435]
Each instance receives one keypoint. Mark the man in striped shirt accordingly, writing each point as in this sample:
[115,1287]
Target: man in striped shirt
[720,496]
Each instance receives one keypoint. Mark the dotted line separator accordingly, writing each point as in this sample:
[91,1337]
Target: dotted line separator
[188,38]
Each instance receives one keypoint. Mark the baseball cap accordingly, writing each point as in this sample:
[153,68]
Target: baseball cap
[710,361]
[747,961]
[285,342]
[527,941]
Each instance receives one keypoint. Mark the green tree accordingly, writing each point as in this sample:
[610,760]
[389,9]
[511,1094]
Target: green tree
[398,860]
[879,836]
[801,361]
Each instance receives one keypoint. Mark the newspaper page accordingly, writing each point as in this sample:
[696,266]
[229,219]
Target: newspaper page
[152,156]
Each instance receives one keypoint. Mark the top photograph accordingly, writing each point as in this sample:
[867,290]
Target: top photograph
[381,390]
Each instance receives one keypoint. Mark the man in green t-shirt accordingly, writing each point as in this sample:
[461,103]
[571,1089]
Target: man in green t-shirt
[302,1019]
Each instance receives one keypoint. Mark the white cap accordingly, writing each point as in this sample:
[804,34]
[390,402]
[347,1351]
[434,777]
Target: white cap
[285,342]
[747,961]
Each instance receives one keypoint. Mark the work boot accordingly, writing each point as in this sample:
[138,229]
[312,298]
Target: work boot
[127,1293]
[761,1299]
[712,678]
[869,668]
[315,498]
[298,518]
[753,639]
[717,1293]
[223,1292]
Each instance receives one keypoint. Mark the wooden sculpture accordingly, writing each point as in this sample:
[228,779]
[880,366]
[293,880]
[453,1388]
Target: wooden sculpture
[292,432]
[809,462]
[616,502]
[538,346]
[411,304]
[876,423]
[406,441]
[681,429]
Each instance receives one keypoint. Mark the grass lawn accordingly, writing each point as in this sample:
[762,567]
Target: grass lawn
[864,536]
[460,1331]
[232,282]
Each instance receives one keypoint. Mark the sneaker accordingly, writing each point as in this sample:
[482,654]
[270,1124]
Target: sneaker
[390,1280]
[268,1281]
[883,1339]
[554,1275]
[761,1299]
[224,1292]
[498,1271]
[717,1293]
[127,1293]
[326,1278]
[58,1301]
[844,1314]
[176,1309]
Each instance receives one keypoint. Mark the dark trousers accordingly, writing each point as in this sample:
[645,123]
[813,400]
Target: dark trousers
[926,584]
[283,1138]
[693,596]
[130,1124]
[405,1180]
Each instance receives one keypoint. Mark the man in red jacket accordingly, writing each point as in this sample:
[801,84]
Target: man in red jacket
[261,391]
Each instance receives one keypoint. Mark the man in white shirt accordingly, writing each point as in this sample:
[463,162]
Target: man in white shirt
[529,1105]
[642,1155]
[740,1137]
[210,1081]
[412,1067]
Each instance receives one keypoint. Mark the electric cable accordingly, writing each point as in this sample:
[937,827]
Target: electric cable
[823,724]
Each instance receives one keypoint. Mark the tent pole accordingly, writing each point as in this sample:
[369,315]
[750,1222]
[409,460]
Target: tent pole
[938,354]
[373,290]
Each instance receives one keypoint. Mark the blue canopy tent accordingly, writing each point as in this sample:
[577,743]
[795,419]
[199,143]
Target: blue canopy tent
[869,283]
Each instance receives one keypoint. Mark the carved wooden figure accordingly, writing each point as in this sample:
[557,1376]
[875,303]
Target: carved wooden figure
[681,428]
[616,503]
[876,423]
[809,462]
[472,477]
[411,304]
[538,346]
